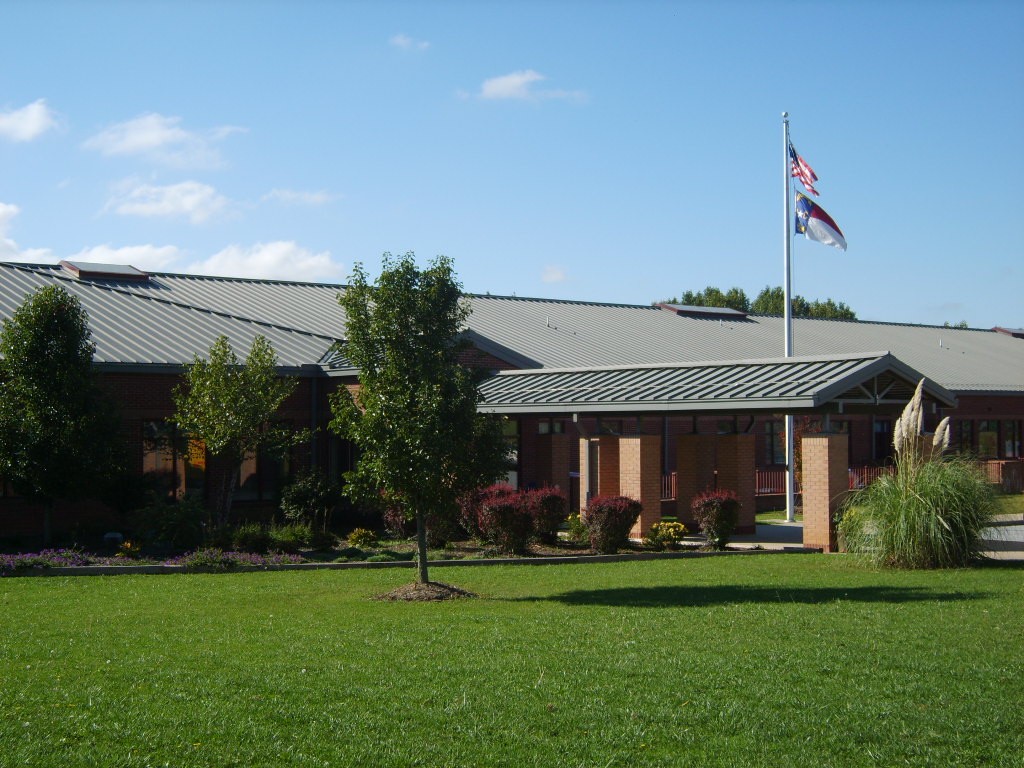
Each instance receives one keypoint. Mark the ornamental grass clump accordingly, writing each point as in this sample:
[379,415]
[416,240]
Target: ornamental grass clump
[930,513]
[609,519]
[716,513]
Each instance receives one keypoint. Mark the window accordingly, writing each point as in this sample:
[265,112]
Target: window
[550,427]
[882,448]
[261,476]
[510,431]
[168,454]
[1011,439]
[988,439]
[775,442]
[963,436]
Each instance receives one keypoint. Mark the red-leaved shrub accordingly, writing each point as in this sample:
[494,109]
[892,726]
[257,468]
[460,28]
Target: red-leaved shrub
[716,513]
[504,519]
[548,509]
[609,520]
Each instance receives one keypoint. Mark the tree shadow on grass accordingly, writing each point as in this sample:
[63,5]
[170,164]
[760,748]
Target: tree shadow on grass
[730,594]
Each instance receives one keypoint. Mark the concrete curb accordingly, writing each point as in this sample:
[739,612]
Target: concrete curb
[121,570]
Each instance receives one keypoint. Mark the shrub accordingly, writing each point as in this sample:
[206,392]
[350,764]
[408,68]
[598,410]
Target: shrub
[547,507]
[322,540]
[176,524]
[609,520]
[214,559]
[577,529]
[310,499]
[251,537]
[665,534]
[716,513]
[290,538]
[396,523]
[363,538]
[505,519]
[928,516]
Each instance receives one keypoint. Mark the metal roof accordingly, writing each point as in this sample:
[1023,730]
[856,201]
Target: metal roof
[167,318]
[773,385]
[576,334]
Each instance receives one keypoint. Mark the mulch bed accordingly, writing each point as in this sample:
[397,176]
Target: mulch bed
[432,590]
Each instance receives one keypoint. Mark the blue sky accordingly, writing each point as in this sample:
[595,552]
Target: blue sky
[598,151]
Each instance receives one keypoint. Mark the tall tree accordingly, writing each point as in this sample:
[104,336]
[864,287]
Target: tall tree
[59,434]
[230,407]
[771,301]
[413,416]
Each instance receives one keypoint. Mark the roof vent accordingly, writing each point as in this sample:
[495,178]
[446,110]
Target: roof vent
[119,272]
[716,313]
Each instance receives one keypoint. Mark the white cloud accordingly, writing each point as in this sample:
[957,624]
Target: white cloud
[145,257]
[512,86]
[553,274]
[519,85]
[298,197]
[407,43]
[161,139]
[191,199]
[278,260]
[27,123]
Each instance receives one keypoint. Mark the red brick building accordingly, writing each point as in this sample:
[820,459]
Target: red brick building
[148,326]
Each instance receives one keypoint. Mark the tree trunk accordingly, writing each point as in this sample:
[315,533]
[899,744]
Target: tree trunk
[48,522]
[225,495]
[421,546]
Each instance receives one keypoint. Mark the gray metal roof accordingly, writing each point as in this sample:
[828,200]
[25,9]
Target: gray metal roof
[578,334]
[775,385]
[168,318]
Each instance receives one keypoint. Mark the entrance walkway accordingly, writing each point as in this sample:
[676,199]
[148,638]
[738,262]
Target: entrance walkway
[1004,540]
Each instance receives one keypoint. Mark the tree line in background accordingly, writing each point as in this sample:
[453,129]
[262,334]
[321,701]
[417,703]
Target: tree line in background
[770,301]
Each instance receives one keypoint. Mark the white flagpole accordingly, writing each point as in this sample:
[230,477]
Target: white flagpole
[788,314]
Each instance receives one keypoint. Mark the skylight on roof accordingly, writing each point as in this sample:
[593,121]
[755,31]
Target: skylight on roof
[90,271]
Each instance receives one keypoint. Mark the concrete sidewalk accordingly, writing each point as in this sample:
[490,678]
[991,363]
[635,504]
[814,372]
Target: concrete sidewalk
[1003,541]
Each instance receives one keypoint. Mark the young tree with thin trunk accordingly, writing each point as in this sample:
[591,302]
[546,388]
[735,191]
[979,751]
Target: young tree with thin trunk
[414,417]
[230,407]
[59,434]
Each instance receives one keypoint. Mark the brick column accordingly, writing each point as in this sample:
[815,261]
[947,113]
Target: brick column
[640,478]
[825,483]
[695,471]
[584,465]
[736,472]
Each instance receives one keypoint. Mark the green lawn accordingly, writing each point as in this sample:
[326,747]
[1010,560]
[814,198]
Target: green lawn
[736,660]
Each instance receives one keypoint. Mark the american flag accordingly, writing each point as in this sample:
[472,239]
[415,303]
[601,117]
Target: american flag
[802,171]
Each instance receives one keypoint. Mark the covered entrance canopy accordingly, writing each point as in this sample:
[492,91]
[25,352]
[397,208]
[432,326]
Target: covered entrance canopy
[775,385]
[632,465]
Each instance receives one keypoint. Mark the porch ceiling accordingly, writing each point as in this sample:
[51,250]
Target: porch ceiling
[773,385]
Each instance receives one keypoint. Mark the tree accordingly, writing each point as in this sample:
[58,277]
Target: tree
[414,414]
[59,434]
[734,298]
[771,301]
[230,407]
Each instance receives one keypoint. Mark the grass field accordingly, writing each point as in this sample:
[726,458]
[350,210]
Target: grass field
[736,660]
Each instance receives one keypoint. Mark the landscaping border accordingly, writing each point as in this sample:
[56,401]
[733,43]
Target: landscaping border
[157,569]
